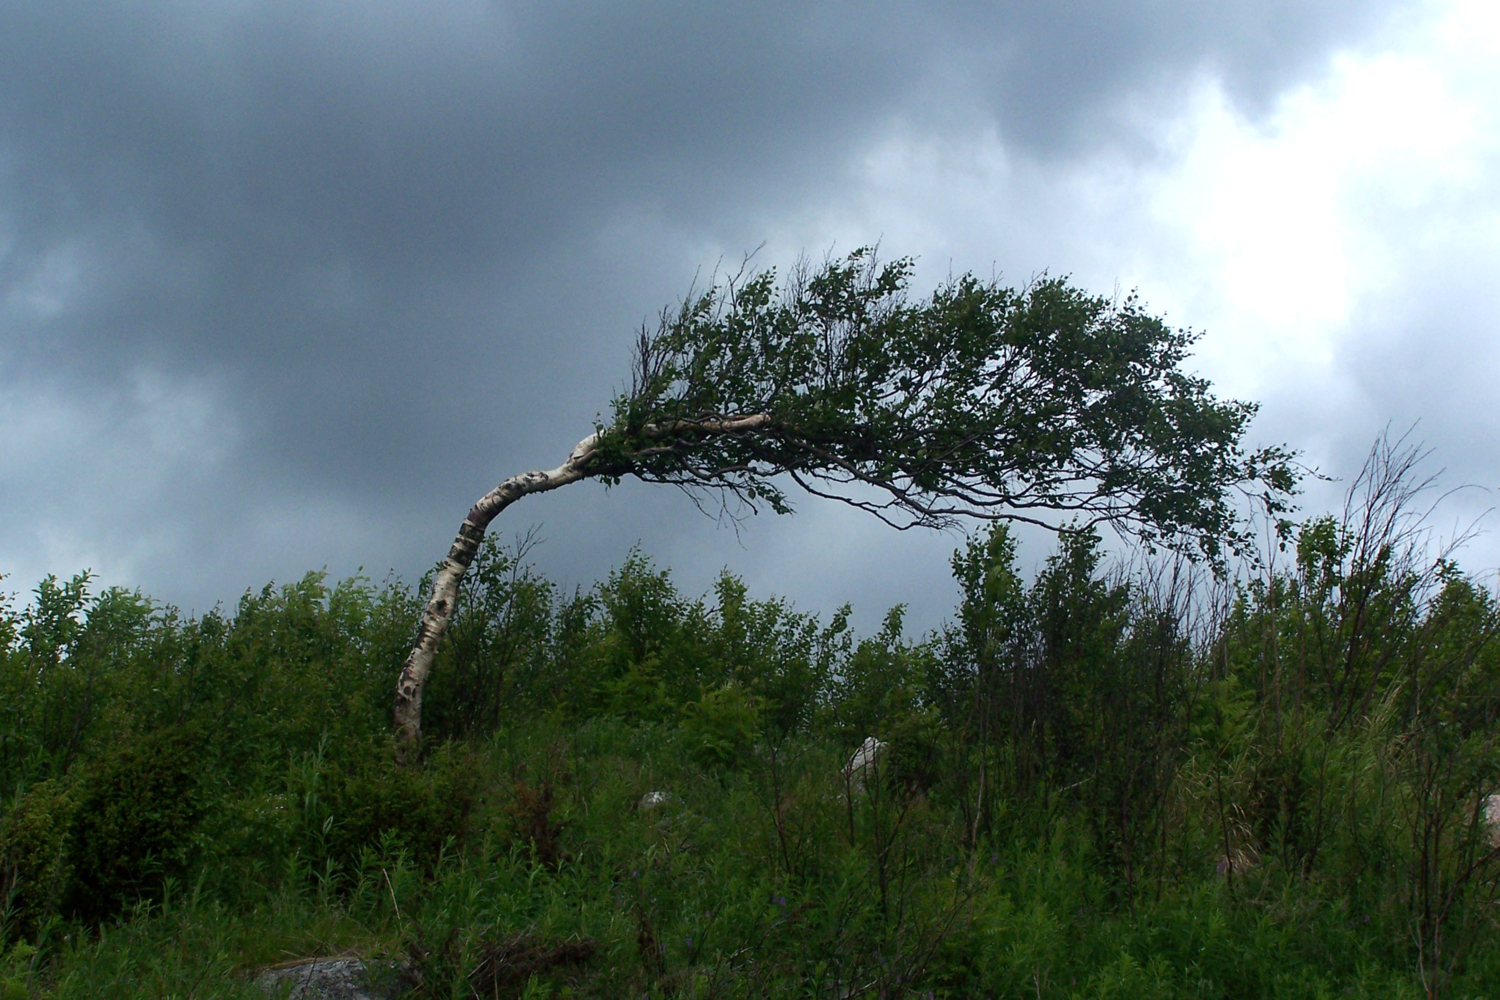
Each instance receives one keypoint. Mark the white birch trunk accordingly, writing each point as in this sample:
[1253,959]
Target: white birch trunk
[439,610]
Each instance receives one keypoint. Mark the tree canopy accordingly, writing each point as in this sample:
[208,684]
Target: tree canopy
[978,401]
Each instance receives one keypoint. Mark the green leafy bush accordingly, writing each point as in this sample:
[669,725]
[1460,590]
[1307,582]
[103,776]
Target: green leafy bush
[723,725]
[138,807]
[33,856]
[368,802]
[15,970]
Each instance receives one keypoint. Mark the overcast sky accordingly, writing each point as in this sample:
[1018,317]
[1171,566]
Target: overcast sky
[287,284]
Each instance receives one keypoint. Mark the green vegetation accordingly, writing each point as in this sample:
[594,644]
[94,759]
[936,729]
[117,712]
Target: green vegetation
[1106,781]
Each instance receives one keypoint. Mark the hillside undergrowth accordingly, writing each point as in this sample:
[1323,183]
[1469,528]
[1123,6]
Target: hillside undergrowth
[1107,781]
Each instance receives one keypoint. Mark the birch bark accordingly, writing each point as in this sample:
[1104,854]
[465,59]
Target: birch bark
[438,612]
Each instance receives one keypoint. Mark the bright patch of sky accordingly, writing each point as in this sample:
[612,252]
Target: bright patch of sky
[1265,234]
[1293,241]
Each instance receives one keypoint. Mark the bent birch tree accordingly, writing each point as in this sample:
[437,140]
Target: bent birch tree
[1044,404]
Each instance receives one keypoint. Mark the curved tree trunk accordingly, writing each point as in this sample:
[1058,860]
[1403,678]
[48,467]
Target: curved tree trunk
[439,610]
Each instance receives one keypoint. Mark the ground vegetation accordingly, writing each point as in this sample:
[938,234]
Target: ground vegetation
[1116,776]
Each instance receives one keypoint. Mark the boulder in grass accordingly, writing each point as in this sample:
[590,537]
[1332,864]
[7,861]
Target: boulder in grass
[864,763]
[341,977]
[653,799]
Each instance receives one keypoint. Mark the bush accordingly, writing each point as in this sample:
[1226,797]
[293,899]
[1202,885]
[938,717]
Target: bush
[33,856]
[723,725]
[368,801]
[137,810]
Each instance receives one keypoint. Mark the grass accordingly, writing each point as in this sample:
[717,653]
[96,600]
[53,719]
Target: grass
[735,889]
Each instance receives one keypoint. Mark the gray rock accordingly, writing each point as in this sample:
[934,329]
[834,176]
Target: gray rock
[865,763]
[342,977]
[653,799]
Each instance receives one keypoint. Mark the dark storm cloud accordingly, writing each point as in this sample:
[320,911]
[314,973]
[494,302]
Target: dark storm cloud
[375,226]
[1050,74]
[276,149]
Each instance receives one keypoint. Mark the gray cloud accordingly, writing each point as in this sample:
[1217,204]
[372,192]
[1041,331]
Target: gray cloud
[387,252]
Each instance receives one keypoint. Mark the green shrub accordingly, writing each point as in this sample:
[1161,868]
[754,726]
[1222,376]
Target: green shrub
[367,800]
[137,810]
[33,856]
[722,726]
[15,969]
